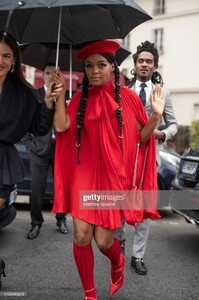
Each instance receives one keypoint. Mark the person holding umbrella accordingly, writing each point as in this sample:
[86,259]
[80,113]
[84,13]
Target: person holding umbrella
[20,112]
[96,142]
[41,159]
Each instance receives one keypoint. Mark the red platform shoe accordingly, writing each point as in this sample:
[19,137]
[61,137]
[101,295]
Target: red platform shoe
[117,276]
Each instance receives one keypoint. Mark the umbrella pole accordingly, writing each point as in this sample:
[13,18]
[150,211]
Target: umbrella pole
[58,37]
[19,4]
[70,73]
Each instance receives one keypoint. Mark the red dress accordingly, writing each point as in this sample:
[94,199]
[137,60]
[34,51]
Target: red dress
[103,164]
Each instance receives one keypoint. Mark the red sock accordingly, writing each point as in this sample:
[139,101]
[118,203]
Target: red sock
[84,259]
[113,253]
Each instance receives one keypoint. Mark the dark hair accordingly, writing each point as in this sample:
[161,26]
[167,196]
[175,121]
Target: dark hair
[49,64]
[81,110]
[10,41]
[148,47]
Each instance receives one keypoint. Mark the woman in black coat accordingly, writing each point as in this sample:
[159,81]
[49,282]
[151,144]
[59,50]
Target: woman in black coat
[20,111]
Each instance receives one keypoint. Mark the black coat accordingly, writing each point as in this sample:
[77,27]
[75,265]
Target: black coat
[20,112]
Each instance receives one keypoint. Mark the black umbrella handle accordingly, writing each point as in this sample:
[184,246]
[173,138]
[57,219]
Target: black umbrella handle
[53,87]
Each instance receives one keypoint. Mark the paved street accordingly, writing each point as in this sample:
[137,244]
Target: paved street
[44,268]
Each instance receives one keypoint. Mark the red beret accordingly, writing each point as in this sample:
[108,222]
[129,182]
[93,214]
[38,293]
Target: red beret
[105,46]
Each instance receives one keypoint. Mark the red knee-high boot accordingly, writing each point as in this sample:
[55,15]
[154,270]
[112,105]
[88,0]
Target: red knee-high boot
[117,266]
[84,259]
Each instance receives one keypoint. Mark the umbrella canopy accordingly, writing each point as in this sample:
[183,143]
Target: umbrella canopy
[80,23]
[10,4]
[39,55]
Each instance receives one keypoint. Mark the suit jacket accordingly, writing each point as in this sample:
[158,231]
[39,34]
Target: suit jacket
[40,145]
[168,117]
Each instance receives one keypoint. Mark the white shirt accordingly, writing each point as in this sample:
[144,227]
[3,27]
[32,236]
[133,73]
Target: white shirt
[148,88]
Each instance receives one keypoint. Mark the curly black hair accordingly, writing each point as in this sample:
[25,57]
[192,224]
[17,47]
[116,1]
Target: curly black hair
[148,47]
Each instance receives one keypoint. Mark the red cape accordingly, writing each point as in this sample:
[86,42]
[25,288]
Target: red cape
[103,164]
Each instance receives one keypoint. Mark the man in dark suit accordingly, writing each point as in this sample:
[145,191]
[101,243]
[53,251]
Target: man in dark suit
[41,159]
[145,78]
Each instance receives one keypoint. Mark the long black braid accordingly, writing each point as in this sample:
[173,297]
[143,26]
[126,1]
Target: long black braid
[80,113]
[81,110]
[148,47]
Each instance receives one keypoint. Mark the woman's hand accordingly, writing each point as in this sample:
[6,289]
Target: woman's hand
[61,119]
[157,100]
[56,87]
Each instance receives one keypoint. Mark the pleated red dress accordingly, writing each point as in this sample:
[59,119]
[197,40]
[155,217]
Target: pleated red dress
[103,164]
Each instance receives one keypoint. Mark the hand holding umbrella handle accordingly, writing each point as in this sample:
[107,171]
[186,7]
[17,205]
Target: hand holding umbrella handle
[51,96]
[56,87]
[53,87]
[61,118]
[58,77]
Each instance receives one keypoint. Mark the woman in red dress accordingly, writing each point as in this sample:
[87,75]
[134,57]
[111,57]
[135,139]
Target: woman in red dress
[96,142]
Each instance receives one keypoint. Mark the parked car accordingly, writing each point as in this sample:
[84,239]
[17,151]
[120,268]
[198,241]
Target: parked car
[166,171]
[168,168]
[184,196]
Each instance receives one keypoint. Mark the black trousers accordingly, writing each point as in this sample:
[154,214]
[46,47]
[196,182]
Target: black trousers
[40,166]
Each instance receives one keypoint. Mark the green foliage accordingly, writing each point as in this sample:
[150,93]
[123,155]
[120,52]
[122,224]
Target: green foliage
[195,133]
[182,138]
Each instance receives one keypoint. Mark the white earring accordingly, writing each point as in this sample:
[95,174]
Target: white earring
[13,68]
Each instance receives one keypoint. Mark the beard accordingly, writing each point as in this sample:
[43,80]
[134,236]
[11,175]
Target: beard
[143,77]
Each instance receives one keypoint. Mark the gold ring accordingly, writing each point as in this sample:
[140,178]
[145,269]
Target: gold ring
[155,96]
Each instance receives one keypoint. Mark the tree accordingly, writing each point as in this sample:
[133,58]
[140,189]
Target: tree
[195,133]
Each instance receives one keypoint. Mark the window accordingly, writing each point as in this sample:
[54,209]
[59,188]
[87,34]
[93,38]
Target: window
[125,41]
[158,39]
[159,7]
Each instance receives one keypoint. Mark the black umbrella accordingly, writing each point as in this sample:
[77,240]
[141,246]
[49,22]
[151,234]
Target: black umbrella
[39,55]
[81,21]
[68,21]
[9,4]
